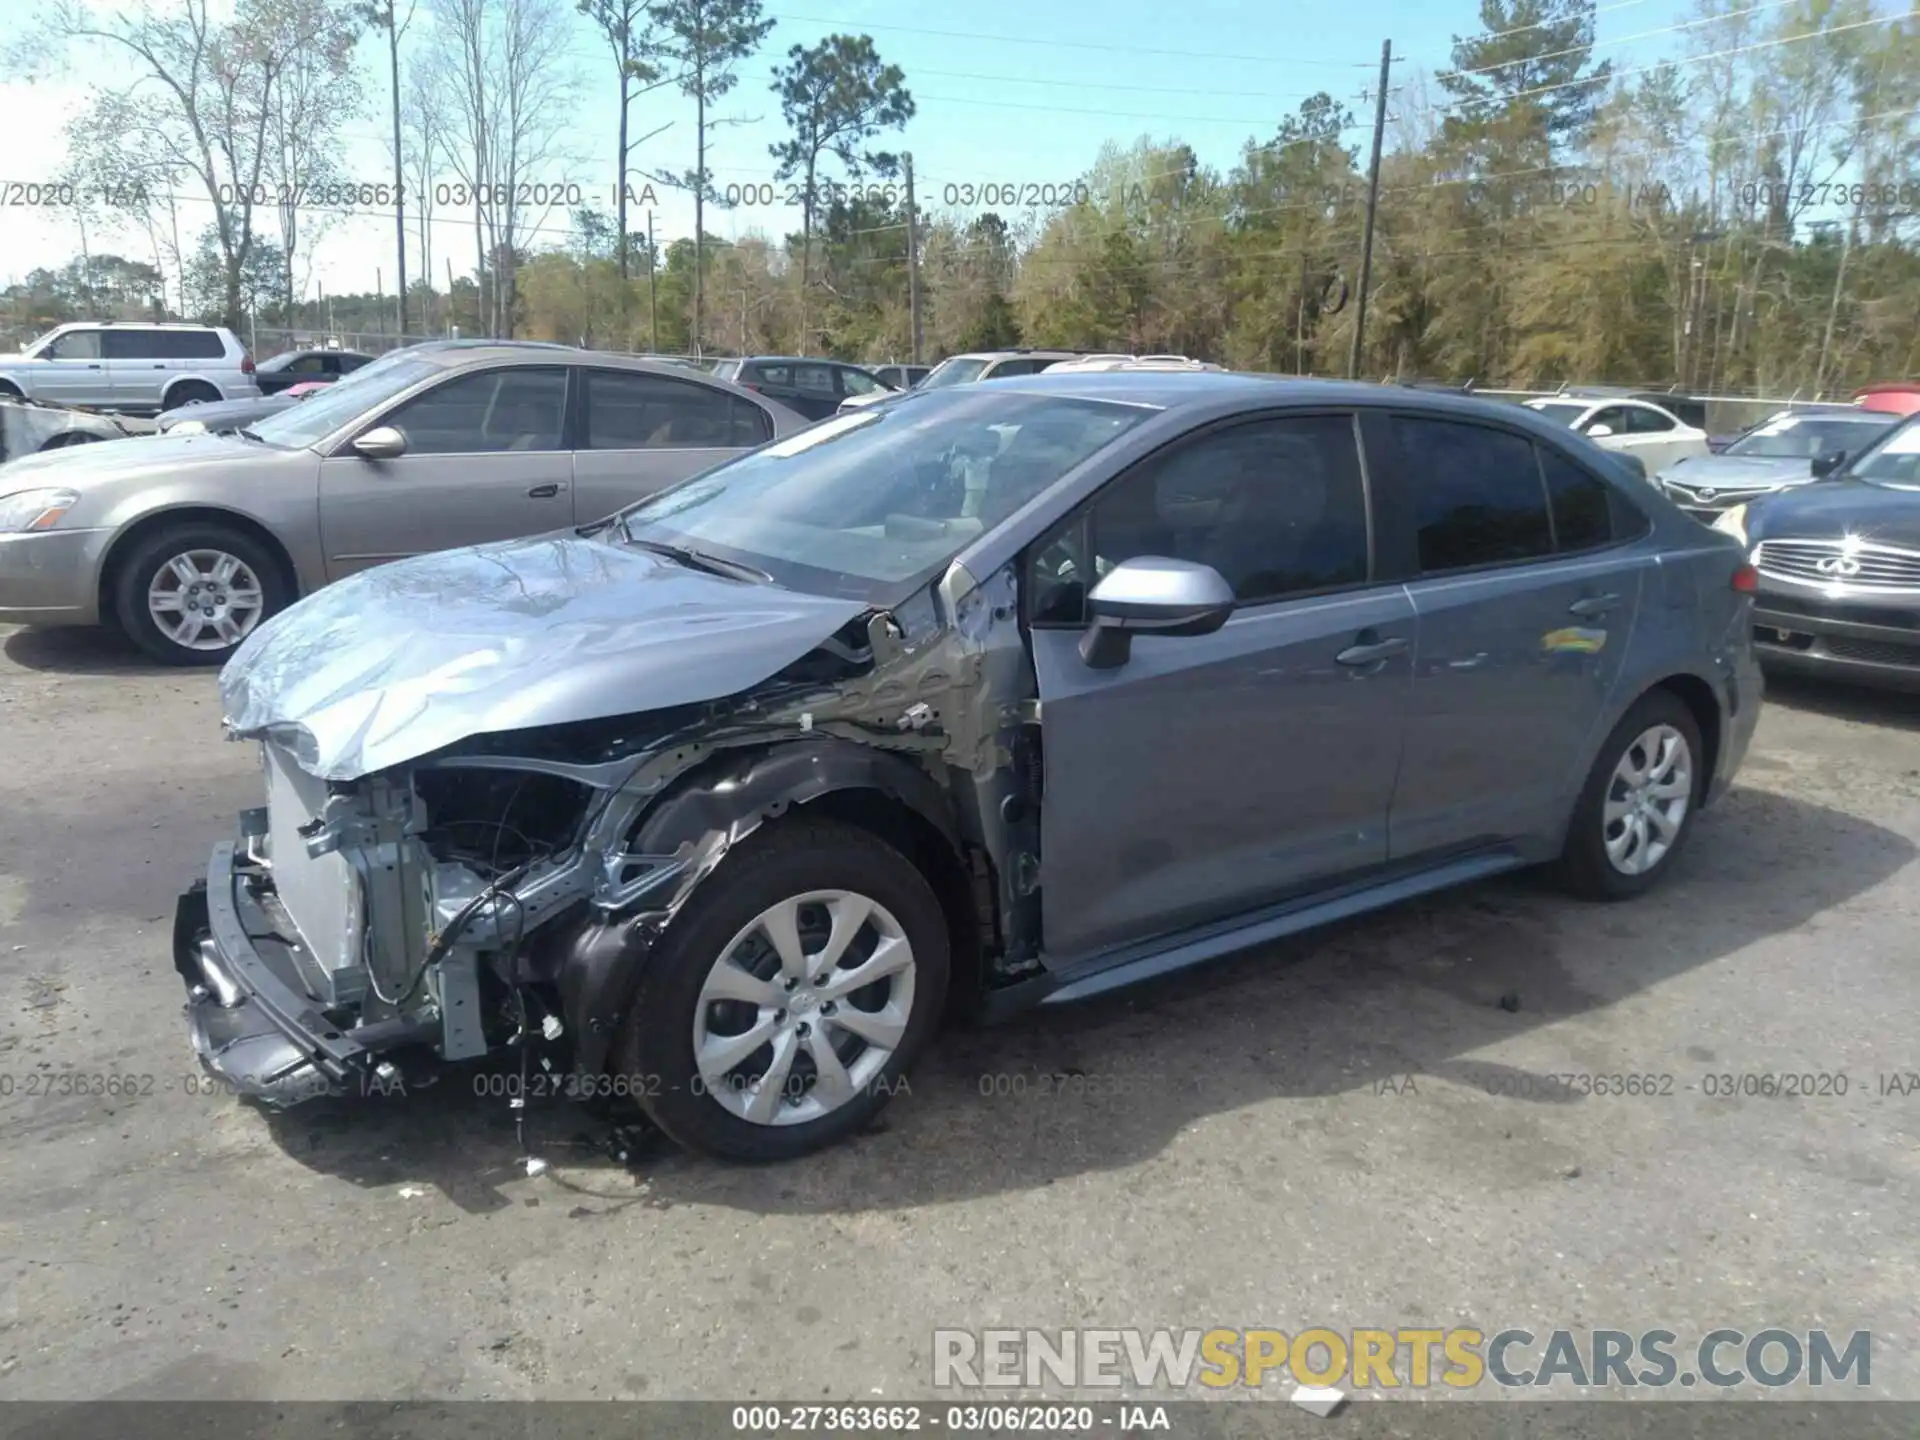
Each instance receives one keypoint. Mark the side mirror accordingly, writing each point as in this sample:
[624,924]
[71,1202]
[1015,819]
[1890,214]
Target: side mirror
[383,442]
[1596,432]
[1826,464]
[1152,595]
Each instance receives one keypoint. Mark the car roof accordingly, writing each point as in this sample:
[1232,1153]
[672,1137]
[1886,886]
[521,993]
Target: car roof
[794,360]
[1176,389]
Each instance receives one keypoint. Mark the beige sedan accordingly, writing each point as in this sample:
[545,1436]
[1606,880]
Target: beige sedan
[188,542]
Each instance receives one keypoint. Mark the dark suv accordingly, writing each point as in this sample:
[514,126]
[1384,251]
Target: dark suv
[813,387]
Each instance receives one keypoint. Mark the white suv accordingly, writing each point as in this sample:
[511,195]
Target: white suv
[135,367]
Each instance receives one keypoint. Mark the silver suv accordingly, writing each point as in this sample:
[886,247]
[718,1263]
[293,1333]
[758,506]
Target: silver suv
[136,367]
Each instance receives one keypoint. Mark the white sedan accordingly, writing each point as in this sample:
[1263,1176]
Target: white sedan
[1634,427]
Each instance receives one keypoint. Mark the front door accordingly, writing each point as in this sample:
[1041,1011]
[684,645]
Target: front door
[72,370]
[1526,593]
[485,460]
[641,432]
[1211,774]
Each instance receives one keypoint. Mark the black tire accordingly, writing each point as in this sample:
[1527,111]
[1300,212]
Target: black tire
[785,858]
[69,440]
[190,392]
[1584,866]
[136,572]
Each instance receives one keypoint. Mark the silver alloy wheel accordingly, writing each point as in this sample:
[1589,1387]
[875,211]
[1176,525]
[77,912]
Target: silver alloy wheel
[1647,800]
[803,1008]
[205,600]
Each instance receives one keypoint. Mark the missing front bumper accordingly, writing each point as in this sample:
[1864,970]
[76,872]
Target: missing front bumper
[251,1028]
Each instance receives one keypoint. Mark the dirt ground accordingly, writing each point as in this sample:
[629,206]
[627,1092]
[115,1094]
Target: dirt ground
[1346,1130]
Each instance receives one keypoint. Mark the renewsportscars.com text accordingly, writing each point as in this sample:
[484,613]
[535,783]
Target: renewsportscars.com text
[1461,1358]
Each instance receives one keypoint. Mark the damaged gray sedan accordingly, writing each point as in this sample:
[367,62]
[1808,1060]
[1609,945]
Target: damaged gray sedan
[991,696]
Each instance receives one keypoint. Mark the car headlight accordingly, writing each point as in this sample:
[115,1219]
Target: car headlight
[26,510]
[1733,522]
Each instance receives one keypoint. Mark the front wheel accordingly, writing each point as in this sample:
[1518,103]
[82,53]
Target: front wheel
[189,594]
[784,1005]
[1637,807]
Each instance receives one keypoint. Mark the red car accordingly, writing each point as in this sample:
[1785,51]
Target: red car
[1895,397]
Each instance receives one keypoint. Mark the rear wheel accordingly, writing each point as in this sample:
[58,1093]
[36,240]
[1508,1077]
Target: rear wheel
[1637,807]
[191,392]
[189,594]
[786,1001]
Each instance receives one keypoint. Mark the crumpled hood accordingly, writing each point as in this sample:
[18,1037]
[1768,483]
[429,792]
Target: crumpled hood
[405,659]
[1737,472]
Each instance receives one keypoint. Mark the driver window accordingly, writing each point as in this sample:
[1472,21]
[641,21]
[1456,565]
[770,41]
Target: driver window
[486,412]
[1278,507]
[1614,417]
[80,345]
[1647,422]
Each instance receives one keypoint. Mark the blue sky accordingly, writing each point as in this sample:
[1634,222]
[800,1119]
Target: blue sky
[1007,91]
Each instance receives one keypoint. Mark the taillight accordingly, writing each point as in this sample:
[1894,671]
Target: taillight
[749,385]
[246,363]
[1746,579]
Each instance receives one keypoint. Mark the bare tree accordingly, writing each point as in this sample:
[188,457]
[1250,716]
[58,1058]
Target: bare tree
[199,104]
[422,148]
[505,92]
[316,93]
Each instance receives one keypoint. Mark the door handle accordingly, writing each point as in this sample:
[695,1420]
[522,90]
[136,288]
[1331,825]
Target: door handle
[1593,606]
[1368,652]
[544,492]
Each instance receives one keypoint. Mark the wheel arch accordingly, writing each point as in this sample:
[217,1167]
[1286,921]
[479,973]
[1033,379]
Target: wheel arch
[715,805]
[169,398]
[152,523]
[1704,705]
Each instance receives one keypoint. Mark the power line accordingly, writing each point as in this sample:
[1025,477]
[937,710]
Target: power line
[1081,44]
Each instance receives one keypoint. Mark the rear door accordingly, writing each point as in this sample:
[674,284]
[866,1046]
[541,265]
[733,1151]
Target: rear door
[137,363]
[1526,597]
[1211,774]
[486,460]
[72,370]
[640,432]
[1659,440]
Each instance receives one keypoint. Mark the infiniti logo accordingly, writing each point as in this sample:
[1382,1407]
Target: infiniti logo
[1837,565]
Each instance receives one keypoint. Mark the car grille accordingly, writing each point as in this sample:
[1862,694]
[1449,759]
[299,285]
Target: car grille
[1712,498]
[1873,652]
[1850,565]
[320,894]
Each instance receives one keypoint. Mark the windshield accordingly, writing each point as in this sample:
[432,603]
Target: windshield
[870,503]
[957,371]
[1805,437]
[1895,461]
[325,411]
[1561,412]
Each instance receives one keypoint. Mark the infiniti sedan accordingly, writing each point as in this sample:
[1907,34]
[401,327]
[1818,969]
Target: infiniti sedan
[187,542]
[993,695]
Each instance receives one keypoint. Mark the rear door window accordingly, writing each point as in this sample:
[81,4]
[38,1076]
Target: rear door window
[1642,421]
[1477,494]
[636,411]
[1582,506]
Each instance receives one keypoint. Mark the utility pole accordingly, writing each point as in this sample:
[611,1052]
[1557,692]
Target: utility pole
[399,176]
[913,260]
[450,314]
[1300,322]
[1373,205]
[653,287]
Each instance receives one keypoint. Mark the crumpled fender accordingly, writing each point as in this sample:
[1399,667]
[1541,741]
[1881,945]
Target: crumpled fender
[708,811]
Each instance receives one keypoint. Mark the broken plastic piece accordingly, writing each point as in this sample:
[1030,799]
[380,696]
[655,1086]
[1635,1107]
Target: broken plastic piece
[411,1192]
[536,1166]
[551,1027]
[806,720]
[1318,1399]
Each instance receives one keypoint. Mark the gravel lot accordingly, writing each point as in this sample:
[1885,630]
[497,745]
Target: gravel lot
[1269,1163]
